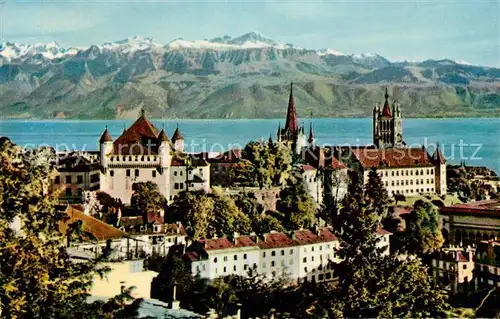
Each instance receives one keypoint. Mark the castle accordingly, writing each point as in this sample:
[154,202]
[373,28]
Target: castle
[144,154]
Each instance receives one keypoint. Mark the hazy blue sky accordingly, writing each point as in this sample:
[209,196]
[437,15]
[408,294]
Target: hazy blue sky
[465,30]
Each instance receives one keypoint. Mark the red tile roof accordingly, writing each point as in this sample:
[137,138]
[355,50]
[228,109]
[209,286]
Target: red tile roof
[334,163]
[140,138]
[307,168]
[307,237]
[392,157]
[192,256]
[163,136]
[438,157]
[177,135]
[386,110]
[245,241]
[292,124]
[217,243]
[106,137]
[99,229]
[490,207]
[275,240]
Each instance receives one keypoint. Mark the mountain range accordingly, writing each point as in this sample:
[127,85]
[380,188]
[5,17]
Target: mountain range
[243,77]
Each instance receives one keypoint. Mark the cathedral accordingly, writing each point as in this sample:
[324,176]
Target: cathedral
[143,153]
[387,125]
[292,134]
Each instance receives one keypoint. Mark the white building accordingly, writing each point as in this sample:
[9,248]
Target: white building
[302,255]
[405,171]
[144,154]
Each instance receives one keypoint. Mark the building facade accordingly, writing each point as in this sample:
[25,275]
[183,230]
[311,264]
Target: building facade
[454,268]
[469,223]
[405,171]
[145,154]
[308,254]
[75,174]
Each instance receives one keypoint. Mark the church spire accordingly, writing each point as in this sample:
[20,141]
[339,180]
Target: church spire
[291,116]
[311,134]
[386,111]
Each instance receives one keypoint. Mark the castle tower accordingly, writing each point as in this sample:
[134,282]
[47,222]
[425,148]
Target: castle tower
[439,162]
[178,140]
[387,125]
[105,148]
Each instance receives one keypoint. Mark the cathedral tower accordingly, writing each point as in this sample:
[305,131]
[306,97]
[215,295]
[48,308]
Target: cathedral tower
[292,134]
[387,125]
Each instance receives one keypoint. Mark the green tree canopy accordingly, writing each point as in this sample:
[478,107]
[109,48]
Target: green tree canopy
[147,198]
[423,229]
[376,195]
[298,207]
[37,277]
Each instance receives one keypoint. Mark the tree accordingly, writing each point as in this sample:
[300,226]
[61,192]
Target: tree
[423,229]
[228,218]
[370,284]
[109,208]
[259,155]
[147,198]
[296,204]
[37,277]
[173,272]
[282,163]
[241,173]
[194,210]
[375,194]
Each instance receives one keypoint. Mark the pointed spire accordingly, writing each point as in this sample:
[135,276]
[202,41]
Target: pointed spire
[386,110]
[162,137]
[291,116]
[143,112]
[105,137]
[270,141]
[438,157]
[311,134]
[177,134]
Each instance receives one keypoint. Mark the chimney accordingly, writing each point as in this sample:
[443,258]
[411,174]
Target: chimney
[175,303]
[293,235]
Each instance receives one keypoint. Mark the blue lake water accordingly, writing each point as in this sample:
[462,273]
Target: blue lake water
[474,140]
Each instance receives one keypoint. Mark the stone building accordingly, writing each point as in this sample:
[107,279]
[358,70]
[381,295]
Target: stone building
[75,174]
[144,154]
[454,268]
[469,223]
[306,254]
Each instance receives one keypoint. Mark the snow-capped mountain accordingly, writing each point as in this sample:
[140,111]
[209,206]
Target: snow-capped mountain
[244,76]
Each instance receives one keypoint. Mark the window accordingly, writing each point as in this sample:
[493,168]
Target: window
[175,173]
[79,179]
[264,254]
[128,173]
[176,185]
[180,173]
[272,263]
[312,248]
[320,247]
[57,180]
[245,267]
[244,256]
[273,253]
[234,268]
[235,257]
[328,275]
[305,269]
[312,258]
[136,172]
[416,172]
[282,253]
[68,179]
[111,173]
[154,173]
[465,267]
[225,258]
[68,191]
[320,277]
[181,185]
[392,173]
[291,251]
[304,259]
[225,269]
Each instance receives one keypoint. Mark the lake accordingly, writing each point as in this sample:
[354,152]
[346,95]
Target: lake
[474,140]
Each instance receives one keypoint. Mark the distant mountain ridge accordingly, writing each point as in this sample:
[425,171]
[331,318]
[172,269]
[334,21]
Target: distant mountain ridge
[225,77]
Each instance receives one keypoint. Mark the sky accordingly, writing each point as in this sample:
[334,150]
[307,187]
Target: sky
[468,31]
